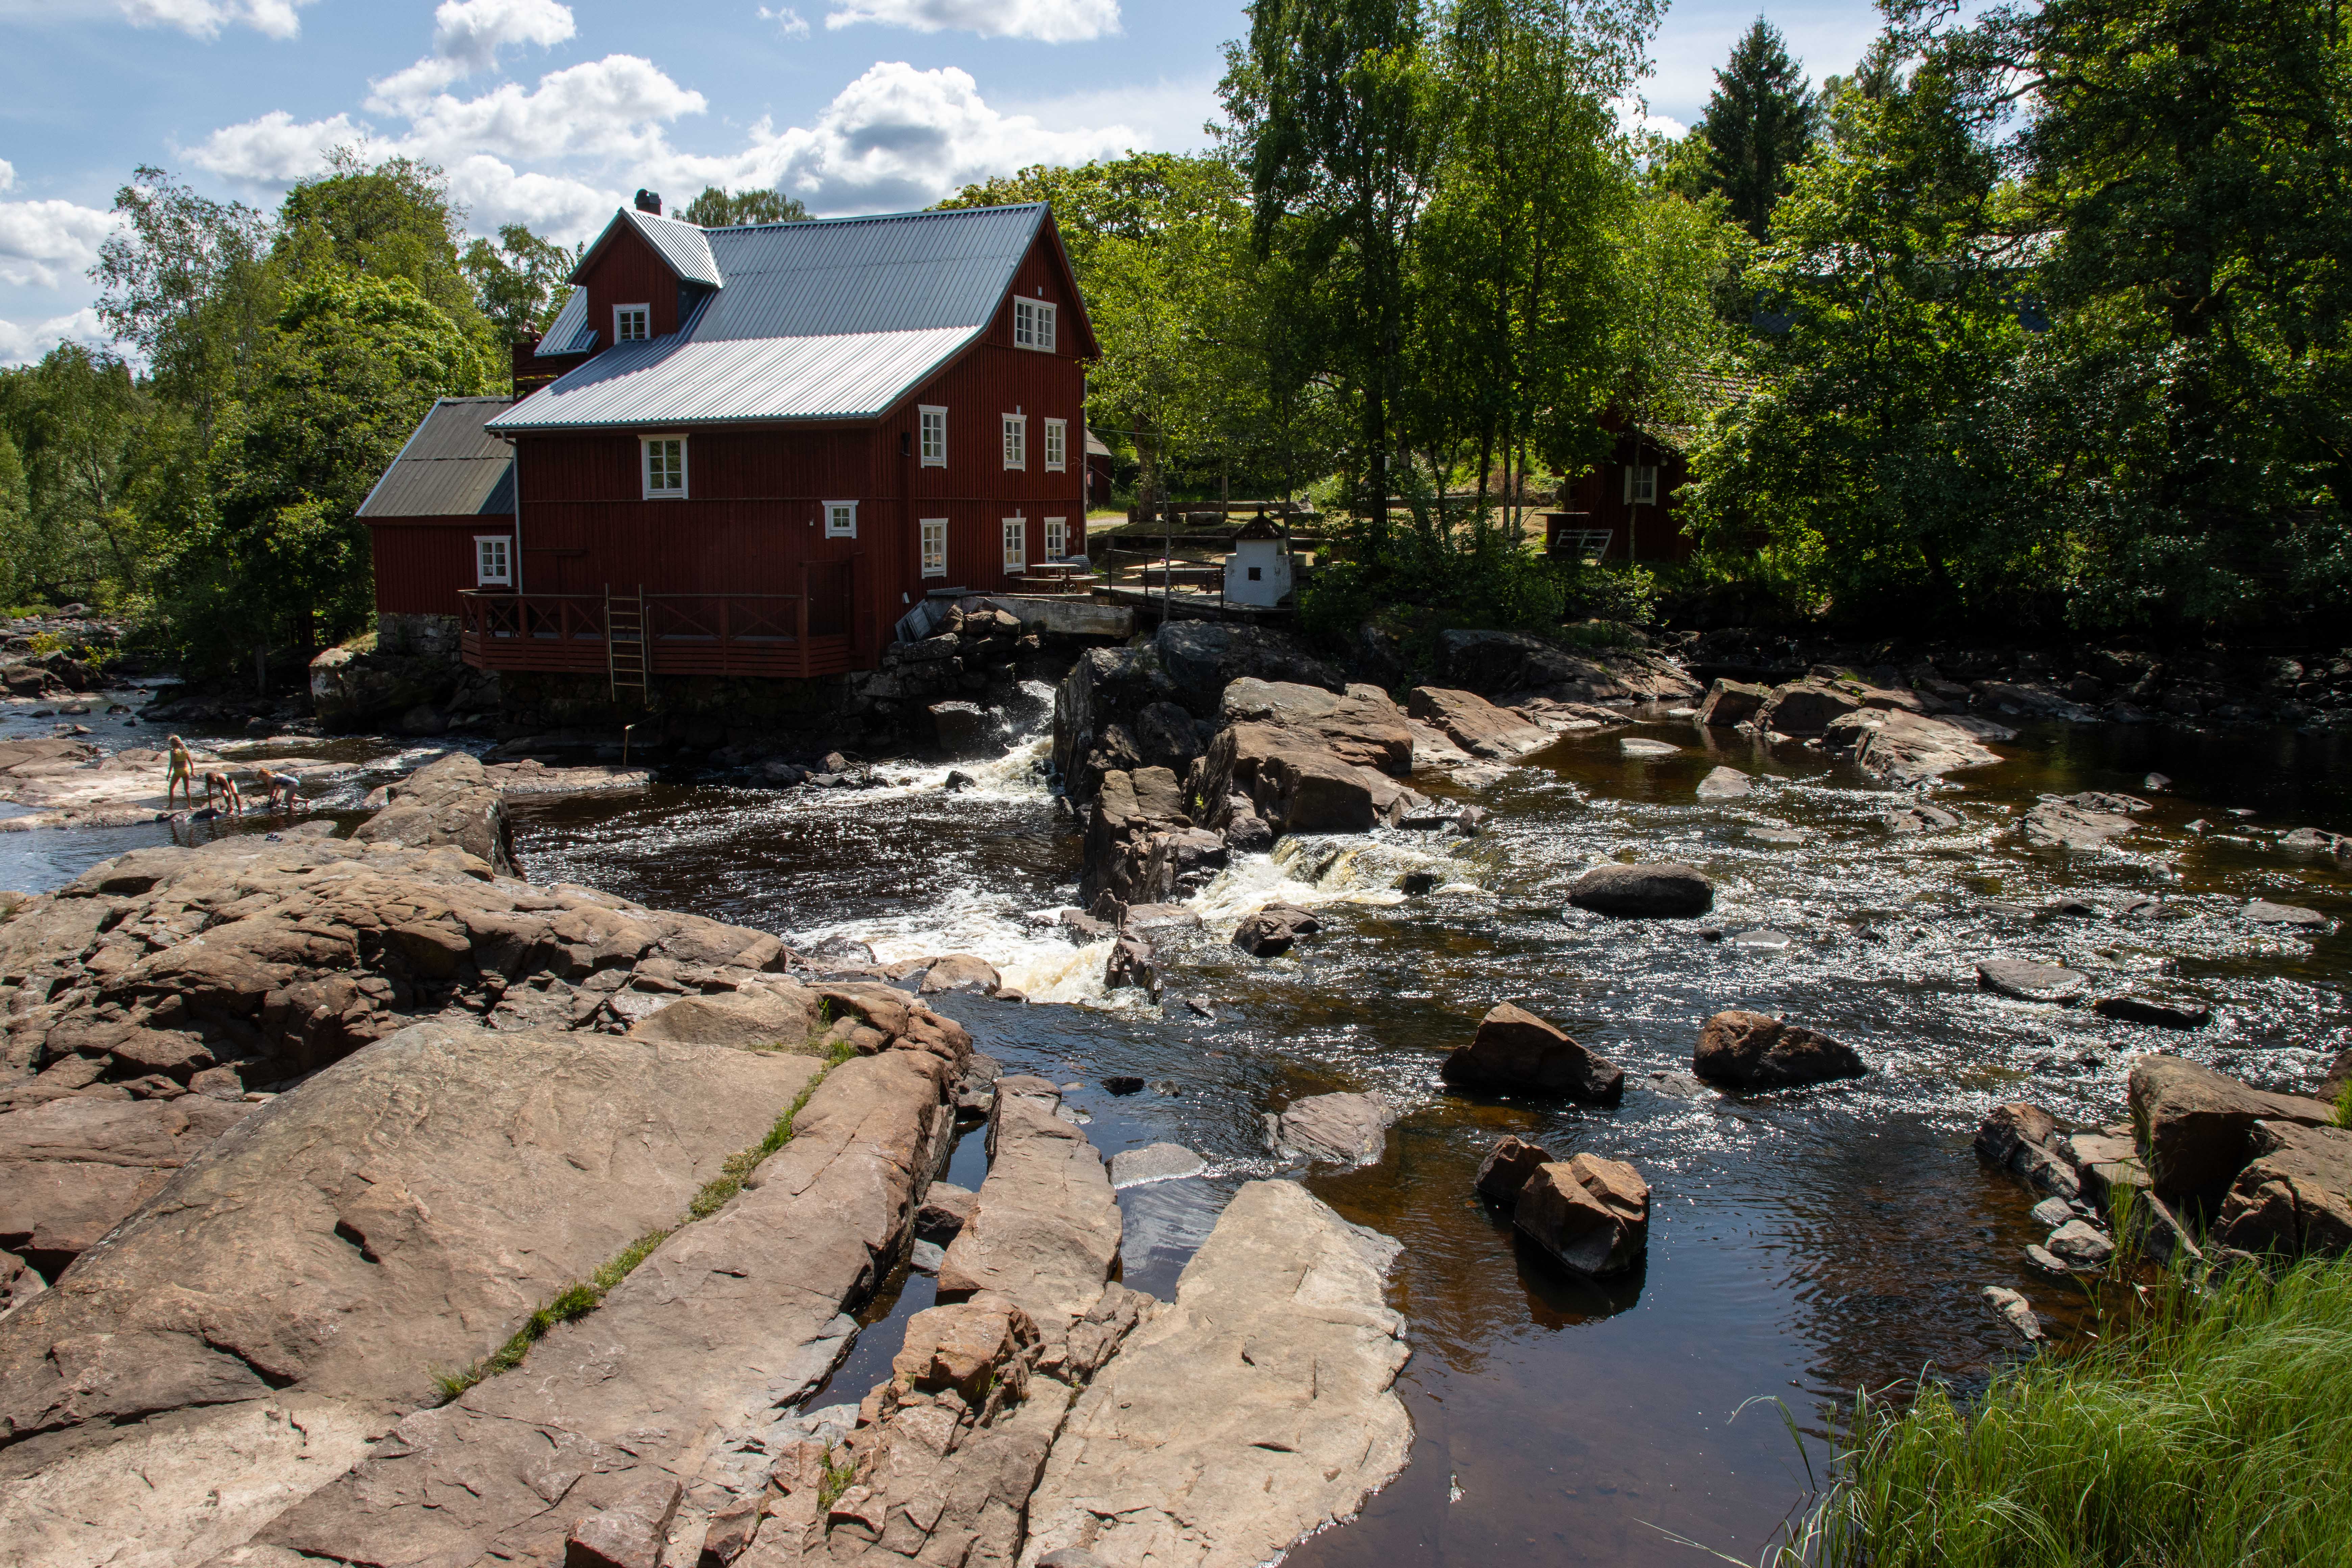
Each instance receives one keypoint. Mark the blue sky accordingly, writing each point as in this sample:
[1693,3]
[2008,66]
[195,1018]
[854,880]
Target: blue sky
[552,111]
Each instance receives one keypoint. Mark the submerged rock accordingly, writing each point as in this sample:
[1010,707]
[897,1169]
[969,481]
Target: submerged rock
[1725,784]
[1154,1162]
[2262,911]
[2013,1309]
[2164,1012]
[1342,1129]
[1753,1050]
[2030,982]
[2085,821]
[1666,889]
[1593,1215]
[1516,1050]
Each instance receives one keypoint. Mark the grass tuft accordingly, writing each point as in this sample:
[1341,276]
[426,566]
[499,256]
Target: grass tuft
[838,1479]
[2213,1428]
[2344,1105]
[577,1300]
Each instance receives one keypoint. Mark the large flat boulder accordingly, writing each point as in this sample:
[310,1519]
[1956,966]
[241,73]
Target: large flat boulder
[1805,708]
[1514,1051]
[1340,1129]
[1730,703]
[2294,1196]
[1477,725]
[1204,658]
[1046,1228]
[71,1169]
[1904,748]
[398,1215]
[2085,821]
[776,1016]
[2198,1124]
[1308,760]
[1255,1409]
[690,1369]
[1516,664]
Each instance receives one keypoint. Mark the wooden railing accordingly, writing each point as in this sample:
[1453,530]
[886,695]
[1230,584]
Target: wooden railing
[787,635]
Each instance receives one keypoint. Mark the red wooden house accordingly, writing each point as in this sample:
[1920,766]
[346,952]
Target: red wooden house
[750,451]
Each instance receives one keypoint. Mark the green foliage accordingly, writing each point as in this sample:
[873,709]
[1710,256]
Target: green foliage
[521,281]
[574,1302]
[719,1189]
[1758,127]
[840,1475]
[86,448]
[392,220]
[2215,1429]
[716,208]
[2344,1106]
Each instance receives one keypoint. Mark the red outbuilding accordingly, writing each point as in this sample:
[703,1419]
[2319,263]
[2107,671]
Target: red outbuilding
[751,451]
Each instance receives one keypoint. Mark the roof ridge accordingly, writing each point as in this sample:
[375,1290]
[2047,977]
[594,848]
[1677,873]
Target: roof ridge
[802,223]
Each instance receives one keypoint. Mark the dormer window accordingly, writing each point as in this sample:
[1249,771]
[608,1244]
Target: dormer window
[632,323]
[1033,325]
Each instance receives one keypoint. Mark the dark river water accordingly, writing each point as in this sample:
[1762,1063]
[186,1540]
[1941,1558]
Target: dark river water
[1802,1245]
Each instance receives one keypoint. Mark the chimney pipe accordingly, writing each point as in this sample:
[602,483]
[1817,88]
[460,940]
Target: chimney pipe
[649,201]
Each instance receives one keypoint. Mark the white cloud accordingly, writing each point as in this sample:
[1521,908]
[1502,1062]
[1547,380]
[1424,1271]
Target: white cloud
[206,18]
[22,345]
[467,37]
[898,138]
[555,206]
[40,242]
[789,22]
[1047,21]
[275,150]
[7,175]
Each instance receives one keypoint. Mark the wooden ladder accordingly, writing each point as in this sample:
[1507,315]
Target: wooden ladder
[626,662]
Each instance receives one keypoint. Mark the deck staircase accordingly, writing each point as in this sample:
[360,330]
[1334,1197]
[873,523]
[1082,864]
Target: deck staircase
[627,653]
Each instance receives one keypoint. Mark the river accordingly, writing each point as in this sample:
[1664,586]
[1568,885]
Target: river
[1803,1243]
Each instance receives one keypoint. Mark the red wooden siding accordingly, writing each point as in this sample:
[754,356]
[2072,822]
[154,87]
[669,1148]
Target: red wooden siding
[1649,535]
[423,563]
[627,272]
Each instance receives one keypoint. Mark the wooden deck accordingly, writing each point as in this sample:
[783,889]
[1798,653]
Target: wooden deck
[762,635]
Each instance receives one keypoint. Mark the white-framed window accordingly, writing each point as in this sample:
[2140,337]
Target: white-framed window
[493,565]
[1016,440]
[841,520]
[1033,325]
[1058,444]
[1641,485]
[935,546]
[1057,538]
[632,323]
[1016,545]
[664,467]
[932,442]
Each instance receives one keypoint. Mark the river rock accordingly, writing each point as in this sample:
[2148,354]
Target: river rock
[1309,760]
[1665,888]
[2164,1012]
[2013,1309]
[2026,1139]
[1341,1129]
[1804,708]
[2262,911]
[1131,967]
[1906,749]
[1477,725]
[1731,702]
[1508,1167]
[947,1209]
[1045,1229]
[2317,841]
[1184,1451]
[1274,928]
[1517,665]
[450,801]
[1514,1050]
[2294,1196]
[1919,816]
[71,1168]
[1131,810]
[1593,1215]
[2030,982]
[401,1212]
[777,1015]
[2199,1125]
[627,1532]
[961,729]
[1168,737]
[960,972]
[690,1366]
[1753,1050]
[1725,784]
[1205,658]
[2080,1245]
[1154,1162]
[2085,821]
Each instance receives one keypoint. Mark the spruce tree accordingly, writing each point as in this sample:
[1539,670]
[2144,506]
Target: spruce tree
[1758,125]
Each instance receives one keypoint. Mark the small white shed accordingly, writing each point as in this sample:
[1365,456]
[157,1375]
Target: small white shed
[1258,571]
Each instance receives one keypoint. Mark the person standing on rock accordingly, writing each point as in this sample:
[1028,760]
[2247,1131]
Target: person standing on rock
[182,775]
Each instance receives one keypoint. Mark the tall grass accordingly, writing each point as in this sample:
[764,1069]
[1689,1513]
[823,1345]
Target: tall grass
[2214,1428]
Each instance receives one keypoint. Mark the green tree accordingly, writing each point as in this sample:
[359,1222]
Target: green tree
[281,557]
[82,431]
[520,280]
[184,281]
[716,208]
[1758,125]
[393,219]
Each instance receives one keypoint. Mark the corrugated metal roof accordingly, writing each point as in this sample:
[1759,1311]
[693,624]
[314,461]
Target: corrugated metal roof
[570,332]
[678,379]
[834,318]
[682,245]
[450,466]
